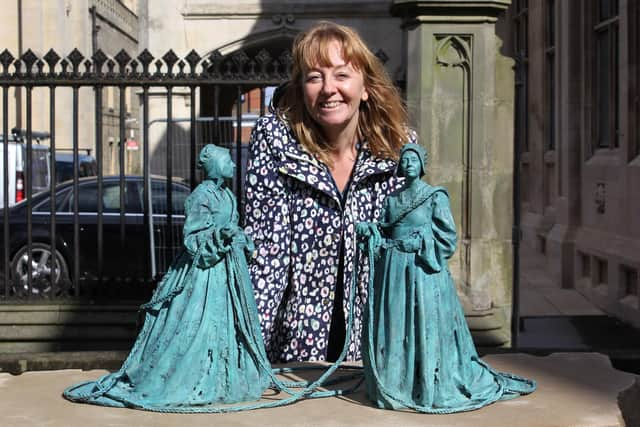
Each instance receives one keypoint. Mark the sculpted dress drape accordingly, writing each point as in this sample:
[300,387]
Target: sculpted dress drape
[418,352]
[191,350]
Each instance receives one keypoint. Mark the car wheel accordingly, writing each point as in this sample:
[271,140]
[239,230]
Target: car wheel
[43,267]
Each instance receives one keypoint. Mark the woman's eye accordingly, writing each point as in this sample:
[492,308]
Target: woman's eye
[313,78]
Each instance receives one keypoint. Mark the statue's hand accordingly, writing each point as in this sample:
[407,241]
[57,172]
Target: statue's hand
[370,231]
[249,246]
[363,229]
[413,243]
[235,237]
[229,231]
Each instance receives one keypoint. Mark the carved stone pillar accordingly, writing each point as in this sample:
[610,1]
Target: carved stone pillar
[460,91]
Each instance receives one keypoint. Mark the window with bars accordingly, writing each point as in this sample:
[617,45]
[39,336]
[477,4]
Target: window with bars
[606,65]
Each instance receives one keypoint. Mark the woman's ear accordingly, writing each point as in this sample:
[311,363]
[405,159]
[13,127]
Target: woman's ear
[365,95]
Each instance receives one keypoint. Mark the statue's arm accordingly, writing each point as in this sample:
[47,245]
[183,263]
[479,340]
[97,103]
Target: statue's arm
[234,234]
[202,232]
[439,236]
[443,226]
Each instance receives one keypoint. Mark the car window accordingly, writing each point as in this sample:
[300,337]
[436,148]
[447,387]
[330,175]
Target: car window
[159,197]
[62,202]
[111,198]
[88,198]
[64,171]
[39,170]
[88,167]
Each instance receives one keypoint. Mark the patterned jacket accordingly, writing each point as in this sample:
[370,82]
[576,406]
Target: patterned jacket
[296,217]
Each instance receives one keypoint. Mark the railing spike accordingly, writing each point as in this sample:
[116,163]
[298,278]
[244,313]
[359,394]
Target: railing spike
[192,58]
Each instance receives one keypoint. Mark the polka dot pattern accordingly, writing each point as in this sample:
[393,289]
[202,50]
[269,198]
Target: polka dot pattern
[295,216]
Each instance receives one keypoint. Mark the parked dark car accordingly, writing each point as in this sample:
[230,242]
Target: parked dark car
[123,259]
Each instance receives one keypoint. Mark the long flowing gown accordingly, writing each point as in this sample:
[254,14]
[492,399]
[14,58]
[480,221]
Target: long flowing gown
[200,344]
[418,351]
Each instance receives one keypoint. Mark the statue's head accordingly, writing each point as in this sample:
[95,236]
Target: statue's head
[216,162]
[409,153]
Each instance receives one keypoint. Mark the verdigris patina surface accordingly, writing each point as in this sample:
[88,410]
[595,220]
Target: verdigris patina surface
[200,343]
[417,349]
[200,349]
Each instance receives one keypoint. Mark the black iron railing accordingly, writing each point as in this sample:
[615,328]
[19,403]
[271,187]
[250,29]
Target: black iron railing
[54,246]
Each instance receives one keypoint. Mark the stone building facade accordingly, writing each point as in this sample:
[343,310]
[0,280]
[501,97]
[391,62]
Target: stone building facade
[579,135]
[65,25]
[451,59]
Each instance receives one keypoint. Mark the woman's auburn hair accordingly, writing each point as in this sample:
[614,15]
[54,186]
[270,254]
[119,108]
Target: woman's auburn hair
[382,121]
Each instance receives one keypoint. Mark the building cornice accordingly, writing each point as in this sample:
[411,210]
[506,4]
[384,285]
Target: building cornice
[442,11]
[299,9]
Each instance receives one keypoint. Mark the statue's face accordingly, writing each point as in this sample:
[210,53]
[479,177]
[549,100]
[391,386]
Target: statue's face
[220,165]
[410,165]
[227,167]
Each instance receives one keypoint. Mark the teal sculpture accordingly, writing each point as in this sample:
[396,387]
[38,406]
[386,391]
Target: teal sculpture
[417,351]
[200,345]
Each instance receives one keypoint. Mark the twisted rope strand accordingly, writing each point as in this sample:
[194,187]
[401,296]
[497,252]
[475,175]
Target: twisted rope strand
[500,377]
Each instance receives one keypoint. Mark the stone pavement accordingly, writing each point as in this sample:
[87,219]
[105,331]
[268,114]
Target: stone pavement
[540,296]
[574,389]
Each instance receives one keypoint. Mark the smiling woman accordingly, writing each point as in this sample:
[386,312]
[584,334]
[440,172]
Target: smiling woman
[323,161]
[332,96]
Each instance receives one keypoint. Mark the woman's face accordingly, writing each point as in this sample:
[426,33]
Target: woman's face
[410,165]
[332,94]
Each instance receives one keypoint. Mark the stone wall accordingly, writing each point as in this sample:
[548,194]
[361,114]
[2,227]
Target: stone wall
[460,94]
[581,198]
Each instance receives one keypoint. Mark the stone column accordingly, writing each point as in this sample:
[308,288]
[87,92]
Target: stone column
[460,91]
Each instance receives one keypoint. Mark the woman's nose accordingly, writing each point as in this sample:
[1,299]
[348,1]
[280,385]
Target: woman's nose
[328,86]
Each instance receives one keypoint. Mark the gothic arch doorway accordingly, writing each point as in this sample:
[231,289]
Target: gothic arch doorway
[227,113]
[254,96]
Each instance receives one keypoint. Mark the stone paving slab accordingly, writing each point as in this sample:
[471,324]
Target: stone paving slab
[541,296]
[534,303]
[571,303]
[574,389]
[555,302]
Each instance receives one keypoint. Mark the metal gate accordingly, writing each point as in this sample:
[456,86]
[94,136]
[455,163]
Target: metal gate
[110,232]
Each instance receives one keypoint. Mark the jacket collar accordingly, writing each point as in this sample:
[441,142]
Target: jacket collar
[298,164]
[368,165]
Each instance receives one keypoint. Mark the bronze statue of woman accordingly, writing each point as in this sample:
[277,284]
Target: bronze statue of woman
[417,349]
[200,344]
